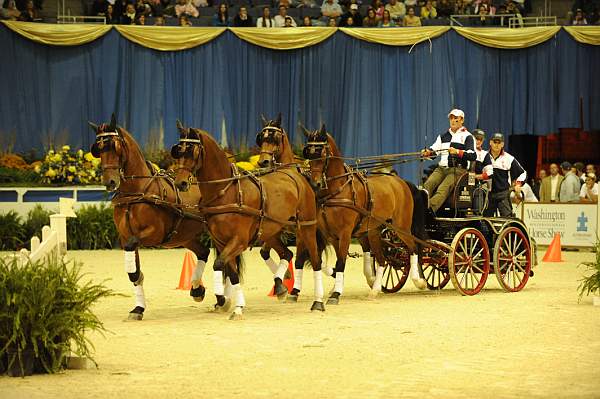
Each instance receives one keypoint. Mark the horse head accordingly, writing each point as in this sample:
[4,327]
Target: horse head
[316,150]
[110,147]
[270,140]
[189,154]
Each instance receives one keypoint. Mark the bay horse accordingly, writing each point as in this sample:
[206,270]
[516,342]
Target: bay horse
[355,205]
[148,209]
[241,208]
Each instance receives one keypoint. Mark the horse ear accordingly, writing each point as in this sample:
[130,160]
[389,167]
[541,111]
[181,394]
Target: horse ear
[113,122]
[278,121]
[264,120]
[93,126]
[323,130]
[180,127]
[305,131]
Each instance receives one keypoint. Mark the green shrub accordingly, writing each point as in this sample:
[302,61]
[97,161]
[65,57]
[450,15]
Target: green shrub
[18,177]
[37,218]
[12,232]
[591,284]
[45,307]
[93,228]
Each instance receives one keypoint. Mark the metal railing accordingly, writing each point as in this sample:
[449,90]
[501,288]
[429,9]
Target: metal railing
[521,22]
[63,16]
[503,19]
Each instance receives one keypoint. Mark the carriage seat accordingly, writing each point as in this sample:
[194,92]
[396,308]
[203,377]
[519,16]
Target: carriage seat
[461,197]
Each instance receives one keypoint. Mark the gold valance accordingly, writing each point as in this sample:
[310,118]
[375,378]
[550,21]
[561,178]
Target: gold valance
[284,38]
[396,36]
[505,38]
[58,34]
[168,38]
[585,34]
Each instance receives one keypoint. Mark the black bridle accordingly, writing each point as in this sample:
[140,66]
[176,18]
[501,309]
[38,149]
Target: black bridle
[271,135]
[186,146]
[105,141]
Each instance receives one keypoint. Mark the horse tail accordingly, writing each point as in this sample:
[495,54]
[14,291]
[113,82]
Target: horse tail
[419,209]
[239,260]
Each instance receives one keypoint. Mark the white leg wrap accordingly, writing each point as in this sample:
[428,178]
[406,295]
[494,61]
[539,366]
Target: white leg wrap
[318,278]
[367,265]
[129,261]
[229,291]
[414,273]
[283,266]
[199,270]
[298,279]
[272,265]
[339,282]
[378,277]
[240,301]
[218,282]
[140,299]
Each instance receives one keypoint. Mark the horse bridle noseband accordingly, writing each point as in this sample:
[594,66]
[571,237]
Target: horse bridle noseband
[180,153]
[325,157]
[273,135]
[102,144]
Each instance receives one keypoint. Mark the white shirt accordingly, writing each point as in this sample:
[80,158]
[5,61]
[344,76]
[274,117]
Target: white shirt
[527,191]
[553,186]
[269,23]
[280,21]
[585,192]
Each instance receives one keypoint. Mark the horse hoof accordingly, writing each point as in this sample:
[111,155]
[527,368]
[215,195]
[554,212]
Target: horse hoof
[292,298]
[223,308]
[420,284]
[317,306]
[280,289]
[198,298]
[136,314]
[373,295]
[236,314]
[198,293]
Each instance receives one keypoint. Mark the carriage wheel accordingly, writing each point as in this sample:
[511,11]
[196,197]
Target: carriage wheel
[469,262]
[512,259]
[433,265]
[397,265]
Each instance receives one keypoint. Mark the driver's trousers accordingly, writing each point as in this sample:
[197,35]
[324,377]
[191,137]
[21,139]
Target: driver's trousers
[444,179]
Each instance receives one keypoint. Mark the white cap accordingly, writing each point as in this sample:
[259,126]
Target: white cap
[457,112]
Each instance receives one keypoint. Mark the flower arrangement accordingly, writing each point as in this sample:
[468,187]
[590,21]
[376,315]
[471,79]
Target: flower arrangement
[13,161]
[69,167]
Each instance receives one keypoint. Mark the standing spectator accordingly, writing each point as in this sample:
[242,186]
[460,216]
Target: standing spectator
[306,21]
[265,21]
[185,7]
[386,21]
[280,18]
[579,18]
[411,19]
[222,15]
[129,17]
[379,8]
[428,11]
[242,19]
[536,183]
[30,14]
[579,171]
[590,168]
[444,9]
[331,9]
[370,21]
[570,187]
[589,190]
[550,187]
[352,13]
[111,18]
[397,10]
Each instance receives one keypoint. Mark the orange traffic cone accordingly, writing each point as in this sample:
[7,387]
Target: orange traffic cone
[553,252]
[185,280]
[288,282]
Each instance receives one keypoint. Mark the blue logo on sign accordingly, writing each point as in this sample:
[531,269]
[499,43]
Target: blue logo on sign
[582,222]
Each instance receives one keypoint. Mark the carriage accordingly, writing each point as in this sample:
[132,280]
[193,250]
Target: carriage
[464,247]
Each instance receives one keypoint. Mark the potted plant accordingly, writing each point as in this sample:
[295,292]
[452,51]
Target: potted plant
[45,313]
[591,284]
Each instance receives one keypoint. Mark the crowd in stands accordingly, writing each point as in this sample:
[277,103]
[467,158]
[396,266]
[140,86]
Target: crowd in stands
[566,183]
[287,13]
[585,12]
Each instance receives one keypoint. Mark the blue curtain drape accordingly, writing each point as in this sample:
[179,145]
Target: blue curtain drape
[374,99]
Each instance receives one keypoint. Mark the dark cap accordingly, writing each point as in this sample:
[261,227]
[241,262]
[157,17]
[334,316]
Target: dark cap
[479,134]
[565,165]
[497,136]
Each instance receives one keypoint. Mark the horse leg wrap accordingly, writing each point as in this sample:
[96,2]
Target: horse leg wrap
[318,280]
[298,280]
[138,291]
[367,265]
[271,264]
[283,266]
[229,288]
[339,282]
[130,265]
[414,272]
[237,292]
[198,272]
[378,277]
[218,283]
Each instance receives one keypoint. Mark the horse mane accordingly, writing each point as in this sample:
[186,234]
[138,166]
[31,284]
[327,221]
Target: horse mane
[213,149]
[287,155]
[133,148]
[333,146]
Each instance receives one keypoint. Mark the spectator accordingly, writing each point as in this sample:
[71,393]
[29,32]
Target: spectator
[142,8]
[351,22]
[222,16]
[429,11]
[491,10]
[331,23]
[99,8]
[140,20]
[30,14]
[570,187]
[242,19]
[589,190]
[286,3]
[483,19]
[462,8]
[397,10]
[331,9]
[513,8]
[289,22]
[10,10]
[579,18]
[386,21]
[156,8]
[444,9]
[159,21]
[536,183]
[307,3]
[199,3]
[527,195]
[409,3]
[354,14]
[370,21]
[590,168]
[185,7]
[550,187]
[265,21]
[280,18]
[379,8]
[111,17]
[129,17]
[306,21]
[411,19]
[579,171]
[184,21]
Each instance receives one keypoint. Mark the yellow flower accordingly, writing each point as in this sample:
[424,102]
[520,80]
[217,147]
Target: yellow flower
[66,148]
[89,157]
[56,158]
[96,162]
[93,173]
[37,168]
[50,173]
[80,153]
[70,178]
[51,152]
[245,165]
[72,169]
[254,160]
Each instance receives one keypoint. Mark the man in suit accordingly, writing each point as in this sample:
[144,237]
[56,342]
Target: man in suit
[551,185]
